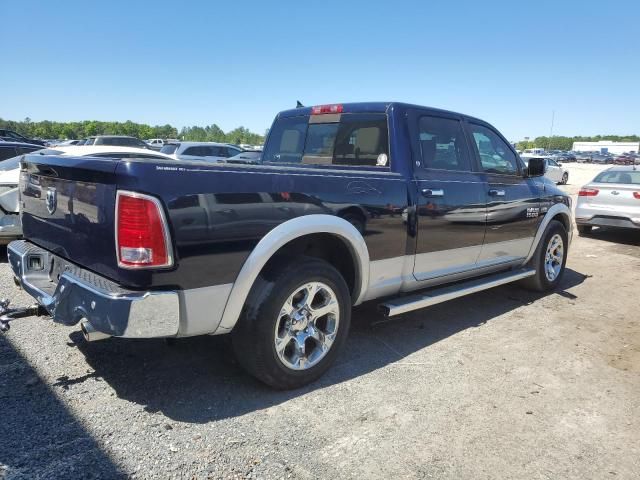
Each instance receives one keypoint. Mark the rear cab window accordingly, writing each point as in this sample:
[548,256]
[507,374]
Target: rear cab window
[347,139]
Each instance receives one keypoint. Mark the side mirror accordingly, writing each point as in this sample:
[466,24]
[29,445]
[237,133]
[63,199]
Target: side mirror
[536,167]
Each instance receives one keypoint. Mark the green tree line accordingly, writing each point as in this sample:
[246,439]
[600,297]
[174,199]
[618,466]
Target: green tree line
[74,130]
[566,143]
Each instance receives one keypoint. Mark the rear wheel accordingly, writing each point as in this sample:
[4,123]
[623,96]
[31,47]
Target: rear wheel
[549,259]
[584,230]
[294,323]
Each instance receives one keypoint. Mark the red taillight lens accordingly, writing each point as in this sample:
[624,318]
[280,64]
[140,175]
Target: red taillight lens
[636,195]
[588,192]
[142,238]
[322,109]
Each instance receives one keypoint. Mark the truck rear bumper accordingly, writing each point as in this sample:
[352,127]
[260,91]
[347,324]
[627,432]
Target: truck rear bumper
[71,294]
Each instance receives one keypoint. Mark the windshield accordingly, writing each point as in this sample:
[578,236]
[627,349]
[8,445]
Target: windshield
[631,177]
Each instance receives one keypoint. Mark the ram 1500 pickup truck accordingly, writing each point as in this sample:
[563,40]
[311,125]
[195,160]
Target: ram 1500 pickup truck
[349,203]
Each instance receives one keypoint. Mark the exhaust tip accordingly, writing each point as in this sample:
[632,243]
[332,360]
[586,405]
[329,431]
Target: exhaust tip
[91,334]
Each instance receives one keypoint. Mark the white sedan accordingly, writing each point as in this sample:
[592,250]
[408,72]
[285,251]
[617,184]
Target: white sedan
[553,170]
[10,226]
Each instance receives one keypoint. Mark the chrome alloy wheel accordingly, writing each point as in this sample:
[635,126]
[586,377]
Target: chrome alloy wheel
[307,326]
[553,258]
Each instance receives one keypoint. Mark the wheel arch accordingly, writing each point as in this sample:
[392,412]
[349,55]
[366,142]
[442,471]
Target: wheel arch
[273,244]
[559,212]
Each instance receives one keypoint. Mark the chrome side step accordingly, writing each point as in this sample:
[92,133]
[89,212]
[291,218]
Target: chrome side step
[400,305]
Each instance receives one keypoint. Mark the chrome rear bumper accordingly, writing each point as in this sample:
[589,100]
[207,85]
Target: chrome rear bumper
[71,294]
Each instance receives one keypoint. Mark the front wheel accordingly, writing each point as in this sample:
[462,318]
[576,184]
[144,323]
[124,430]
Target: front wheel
[294,323]
[565,178]
[549,259]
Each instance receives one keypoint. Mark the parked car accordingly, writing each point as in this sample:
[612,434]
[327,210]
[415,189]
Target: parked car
[611,199]
[552,170]
[601,158]
[584,157]
[11,149]
[66,143]
[151,249]
[11,136]
[207,151]
[626,159]
[116,141]
[251,156]
[155,143]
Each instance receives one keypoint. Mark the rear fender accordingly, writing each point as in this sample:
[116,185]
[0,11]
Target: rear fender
[280,236]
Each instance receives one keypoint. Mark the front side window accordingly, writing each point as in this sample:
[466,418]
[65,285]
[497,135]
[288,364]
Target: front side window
[355,140]
[443,144]
[495,154]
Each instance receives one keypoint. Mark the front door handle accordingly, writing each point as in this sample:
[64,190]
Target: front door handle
[496,193]
[430,193]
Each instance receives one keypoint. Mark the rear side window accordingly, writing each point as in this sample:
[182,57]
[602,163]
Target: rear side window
[196,151]
[631,177]
[286,140]
[169,149]
[356,140]
[442,144]
[495,154]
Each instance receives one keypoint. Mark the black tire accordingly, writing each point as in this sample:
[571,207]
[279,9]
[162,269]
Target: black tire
[584,230]
[565,178]
[254,335]
[540,282]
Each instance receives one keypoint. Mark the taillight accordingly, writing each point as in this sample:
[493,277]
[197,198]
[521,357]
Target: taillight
[588,192]
[636,195]
[142,236]
[322,109]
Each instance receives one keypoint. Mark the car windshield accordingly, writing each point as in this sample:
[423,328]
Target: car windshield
[631,177]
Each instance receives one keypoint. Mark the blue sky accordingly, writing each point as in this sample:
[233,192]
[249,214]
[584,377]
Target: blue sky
[239,63]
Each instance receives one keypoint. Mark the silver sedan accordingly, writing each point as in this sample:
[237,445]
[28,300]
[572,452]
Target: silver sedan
[612,199]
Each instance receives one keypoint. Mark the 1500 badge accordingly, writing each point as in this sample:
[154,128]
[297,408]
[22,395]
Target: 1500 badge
[533,212]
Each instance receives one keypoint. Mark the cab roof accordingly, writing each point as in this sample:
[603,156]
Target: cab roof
[373,107]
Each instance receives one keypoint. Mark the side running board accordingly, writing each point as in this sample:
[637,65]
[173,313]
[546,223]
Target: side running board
[400,305]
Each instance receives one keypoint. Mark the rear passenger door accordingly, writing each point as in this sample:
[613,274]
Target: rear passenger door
[451,205]
[513,201]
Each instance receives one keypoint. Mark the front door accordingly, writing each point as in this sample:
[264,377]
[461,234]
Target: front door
[513,201]
[451,205]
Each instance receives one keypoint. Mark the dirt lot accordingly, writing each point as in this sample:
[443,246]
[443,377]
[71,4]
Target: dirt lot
[502,384]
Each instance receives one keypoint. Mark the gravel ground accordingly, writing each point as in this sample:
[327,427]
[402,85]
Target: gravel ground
[501,384]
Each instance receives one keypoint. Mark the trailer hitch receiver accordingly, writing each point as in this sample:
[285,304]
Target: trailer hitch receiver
[8,314]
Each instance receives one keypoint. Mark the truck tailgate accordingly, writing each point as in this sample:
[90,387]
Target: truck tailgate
[68,208]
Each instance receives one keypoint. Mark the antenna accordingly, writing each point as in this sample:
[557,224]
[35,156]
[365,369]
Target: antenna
[553,116]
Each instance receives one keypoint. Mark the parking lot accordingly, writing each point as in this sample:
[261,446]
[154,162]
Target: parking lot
[501,384]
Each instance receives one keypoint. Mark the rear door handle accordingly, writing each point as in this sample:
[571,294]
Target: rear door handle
[430,193]
[496,193]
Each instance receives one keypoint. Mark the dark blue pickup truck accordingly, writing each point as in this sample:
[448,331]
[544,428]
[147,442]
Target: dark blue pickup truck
[349,203]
